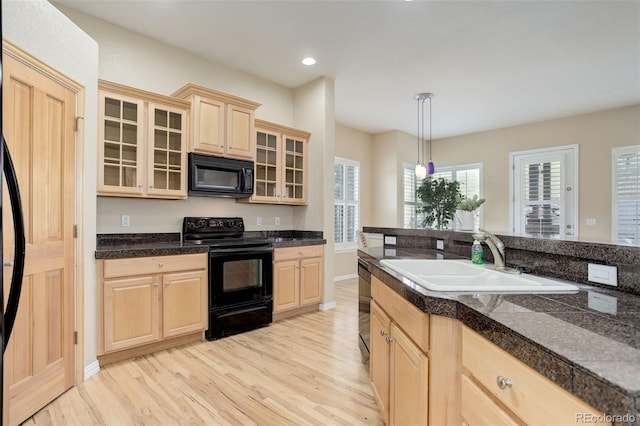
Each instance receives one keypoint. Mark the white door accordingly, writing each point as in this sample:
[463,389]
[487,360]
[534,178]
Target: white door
[545,194]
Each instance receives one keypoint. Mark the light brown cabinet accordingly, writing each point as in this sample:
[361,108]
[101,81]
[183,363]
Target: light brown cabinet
[221,124]
[142,143]
[151,299]
[297,277]
[399,366]
[497,388]
[280,165]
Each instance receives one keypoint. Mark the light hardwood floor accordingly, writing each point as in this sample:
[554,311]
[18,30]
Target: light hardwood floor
[304,370]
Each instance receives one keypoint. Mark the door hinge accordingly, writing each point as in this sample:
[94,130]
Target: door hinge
[75,231]
[75,337]
[78,123]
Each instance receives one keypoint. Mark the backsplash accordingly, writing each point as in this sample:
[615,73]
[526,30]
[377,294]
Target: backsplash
[566,260]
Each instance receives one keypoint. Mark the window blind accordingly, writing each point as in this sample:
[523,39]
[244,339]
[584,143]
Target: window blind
[626,170]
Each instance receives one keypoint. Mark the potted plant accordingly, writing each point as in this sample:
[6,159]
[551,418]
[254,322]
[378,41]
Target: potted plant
[466,212]
[440,197]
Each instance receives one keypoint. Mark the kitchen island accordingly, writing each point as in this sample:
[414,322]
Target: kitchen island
[593,354]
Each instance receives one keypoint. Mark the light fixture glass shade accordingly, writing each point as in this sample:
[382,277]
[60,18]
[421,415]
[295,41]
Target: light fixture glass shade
[421,171]
[431,169]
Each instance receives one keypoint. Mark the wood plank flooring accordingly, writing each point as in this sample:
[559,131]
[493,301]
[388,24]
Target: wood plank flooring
[305,370]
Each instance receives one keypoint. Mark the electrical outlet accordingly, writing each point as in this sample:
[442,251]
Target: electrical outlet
[591,222]
[277,220]
[124,220]
[603,274]
[388,239]
[259,221]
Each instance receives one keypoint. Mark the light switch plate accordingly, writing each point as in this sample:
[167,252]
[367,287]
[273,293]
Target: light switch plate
[603,274]
[390,240]
[124,220]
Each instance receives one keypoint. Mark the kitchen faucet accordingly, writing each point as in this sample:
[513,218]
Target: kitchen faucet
[496,246]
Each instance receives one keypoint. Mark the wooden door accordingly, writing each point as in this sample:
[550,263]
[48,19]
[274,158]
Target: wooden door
[39,116]
[241,134]
[131,312]
[408,381]
[208,125]
[311,282]
[379,361]
[120,144]
[167,156]
[184,303]
[286,286]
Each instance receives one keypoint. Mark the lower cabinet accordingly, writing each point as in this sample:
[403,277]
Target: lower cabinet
[151,299]
[297,277]
[399,366]
[499,389]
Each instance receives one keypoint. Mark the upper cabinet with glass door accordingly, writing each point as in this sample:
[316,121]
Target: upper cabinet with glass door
[280,165]
[221,124]
[142,143]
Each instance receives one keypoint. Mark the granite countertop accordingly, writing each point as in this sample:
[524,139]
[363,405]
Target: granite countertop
[588,341]
[119,246]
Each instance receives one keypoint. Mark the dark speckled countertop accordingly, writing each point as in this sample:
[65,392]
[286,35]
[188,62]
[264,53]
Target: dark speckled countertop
[588,342]
[119,246]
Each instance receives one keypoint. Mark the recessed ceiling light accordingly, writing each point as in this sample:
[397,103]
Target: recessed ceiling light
[308,61]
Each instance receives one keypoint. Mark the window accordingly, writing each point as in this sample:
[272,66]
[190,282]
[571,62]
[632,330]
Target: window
[411,217]
[346,216]
[545,192]
[469,176]
[626,194]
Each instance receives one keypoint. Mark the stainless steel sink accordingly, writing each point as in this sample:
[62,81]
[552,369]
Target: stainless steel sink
[462,275]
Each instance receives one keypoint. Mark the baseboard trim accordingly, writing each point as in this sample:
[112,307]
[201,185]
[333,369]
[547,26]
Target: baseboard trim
[91,369]
[327,306]
[345,277]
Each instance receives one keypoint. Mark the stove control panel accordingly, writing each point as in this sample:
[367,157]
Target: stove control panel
[212,225]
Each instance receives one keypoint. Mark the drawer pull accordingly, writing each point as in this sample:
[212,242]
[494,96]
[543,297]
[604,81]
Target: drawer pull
[503,382]
[160,265]
[389,339]
[383,333]
[155,284]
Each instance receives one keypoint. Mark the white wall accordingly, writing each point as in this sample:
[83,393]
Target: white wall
[315,112]
[40,29]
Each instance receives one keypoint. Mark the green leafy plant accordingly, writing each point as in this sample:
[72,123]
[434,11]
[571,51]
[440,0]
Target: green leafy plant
[470,204]
[441,198]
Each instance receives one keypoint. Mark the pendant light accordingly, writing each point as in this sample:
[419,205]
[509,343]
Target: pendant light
[422,171]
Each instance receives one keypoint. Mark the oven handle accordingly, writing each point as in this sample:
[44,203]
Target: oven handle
[240,250]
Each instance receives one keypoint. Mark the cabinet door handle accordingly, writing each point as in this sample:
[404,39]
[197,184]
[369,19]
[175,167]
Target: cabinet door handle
[155,284]
[389,339]
[160,265]
[167,283]
[383,333]
[504,382]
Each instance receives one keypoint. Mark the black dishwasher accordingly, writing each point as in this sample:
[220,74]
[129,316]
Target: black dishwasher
[364,302]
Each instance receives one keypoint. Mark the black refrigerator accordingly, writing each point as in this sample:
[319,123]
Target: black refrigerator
[15,259]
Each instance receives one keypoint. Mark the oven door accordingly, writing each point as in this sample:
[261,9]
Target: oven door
[239,276]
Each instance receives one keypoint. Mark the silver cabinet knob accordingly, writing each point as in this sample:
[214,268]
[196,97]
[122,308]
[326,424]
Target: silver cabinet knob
[504,382]
[155,284]
[389,339]
[383,333]
[160,265]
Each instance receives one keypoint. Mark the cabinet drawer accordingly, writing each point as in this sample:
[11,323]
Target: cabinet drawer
[531,396]
[153,265]
[287,253]
[412,320]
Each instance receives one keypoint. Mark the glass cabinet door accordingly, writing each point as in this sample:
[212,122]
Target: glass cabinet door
[121,133]
[167,128]
[294,165]
[266,165]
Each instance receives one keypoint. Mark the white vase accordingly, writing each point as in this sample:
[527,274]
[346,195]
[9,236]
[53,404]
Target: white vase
[465,220]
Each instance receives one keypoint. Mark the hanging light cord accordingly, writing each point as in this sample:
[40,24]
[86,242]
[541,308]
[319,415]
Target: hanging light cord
[418,119]
[429,128]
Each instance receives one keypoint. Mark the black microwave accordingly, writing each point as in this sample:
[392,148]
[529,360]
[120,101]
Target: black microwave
[214,176]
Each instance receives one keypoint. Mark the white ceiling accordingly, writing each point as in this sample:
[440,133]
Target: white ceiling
[490,64]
